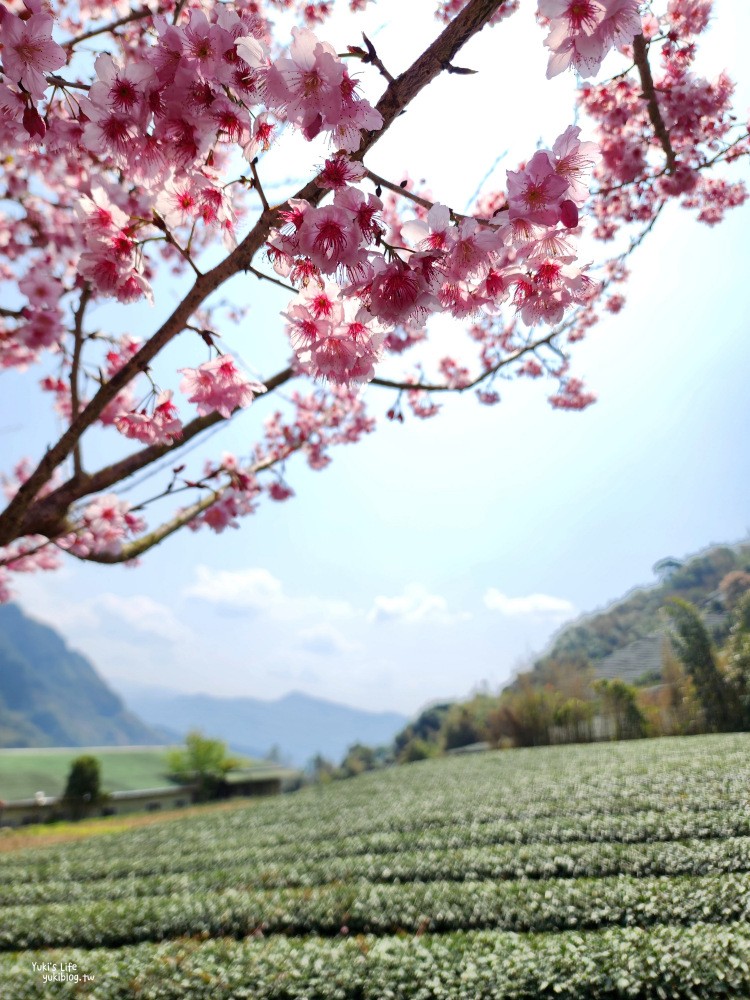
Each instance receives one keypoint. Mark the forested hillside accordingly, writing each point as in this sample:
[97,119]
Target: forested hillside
[698,579]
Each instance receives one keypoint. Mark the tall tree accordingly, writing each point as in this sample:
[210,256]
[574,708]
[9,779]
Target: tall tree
[737,657]
[83,788]
[693,646]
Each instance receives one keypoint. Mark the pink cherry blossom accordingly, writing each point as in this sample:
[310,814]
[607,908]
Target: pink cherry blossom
[162,426]
[534,193]
[219,386]
[103,526]
[29,51]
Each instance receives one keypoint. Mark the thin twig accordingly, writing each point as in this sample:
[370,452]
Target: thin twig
[140,545]
[257,185]
[9,560]
[135,15]
[275,281]
[58,81]
[442,387]
[397,189]
[373,58]
[51,509]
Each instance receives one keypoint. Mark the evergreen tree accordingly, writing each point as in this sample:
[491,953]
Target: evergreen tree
[83,788]
[693,646]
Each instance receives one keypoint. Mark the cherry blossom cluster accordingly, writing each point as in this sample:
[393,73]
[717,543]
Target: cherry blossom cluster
[320,420]
[160,426]
[219,386]
[133,144]
[102,527]
[454,265]
[636,174]
[582,32]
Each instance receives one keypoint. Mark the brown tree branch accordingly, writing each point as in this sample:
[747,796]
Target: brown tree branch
[640,54]
[135,15]
[136,548]
[74,370]
[47,515]
[396,97]
[148,541]
[442,387]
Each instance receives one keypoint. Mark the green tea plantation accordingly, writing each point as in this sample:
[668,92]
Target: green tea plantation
[598,871]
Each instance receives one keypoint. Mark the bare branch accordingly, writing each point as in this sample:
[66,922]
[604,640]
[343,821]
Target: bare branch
[74,370]
[58,81]
[374,58]
[398,189]
[257,185]
[274,281]
[640,54]
[135,15]
[442,387]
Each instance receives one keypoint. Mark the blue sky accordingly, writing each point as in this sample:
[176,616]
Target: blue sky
[436,555]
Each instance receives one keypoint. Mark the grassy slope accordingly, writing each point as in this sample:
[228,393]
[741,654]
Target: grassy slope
[23,774]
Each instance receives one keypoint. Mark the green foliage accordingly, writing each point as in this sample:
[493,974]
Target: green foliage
[695,649]
[360,758]
[620,705]
[697,962]
[737,657]
[83,788]
[733,587]
[204,762]
[680,708]
[417,749]
[461,728]
[575,717]
[425,731]
[525,716]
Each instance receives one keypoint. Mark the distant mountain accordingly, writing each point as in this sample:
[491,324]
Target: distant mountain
[53,696]
[298,725]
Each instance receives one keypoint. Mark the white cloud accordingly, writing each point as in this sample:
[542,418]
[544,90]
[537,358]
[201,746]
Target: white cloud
[242,588]
[540,605]
[260,590]
[416,604]
[327,641]
[43,599]
[143,614]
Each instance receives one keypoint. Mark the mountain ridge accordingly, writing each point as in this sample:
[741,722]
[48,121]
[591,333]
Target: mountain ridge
[51,695]
[296,724]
